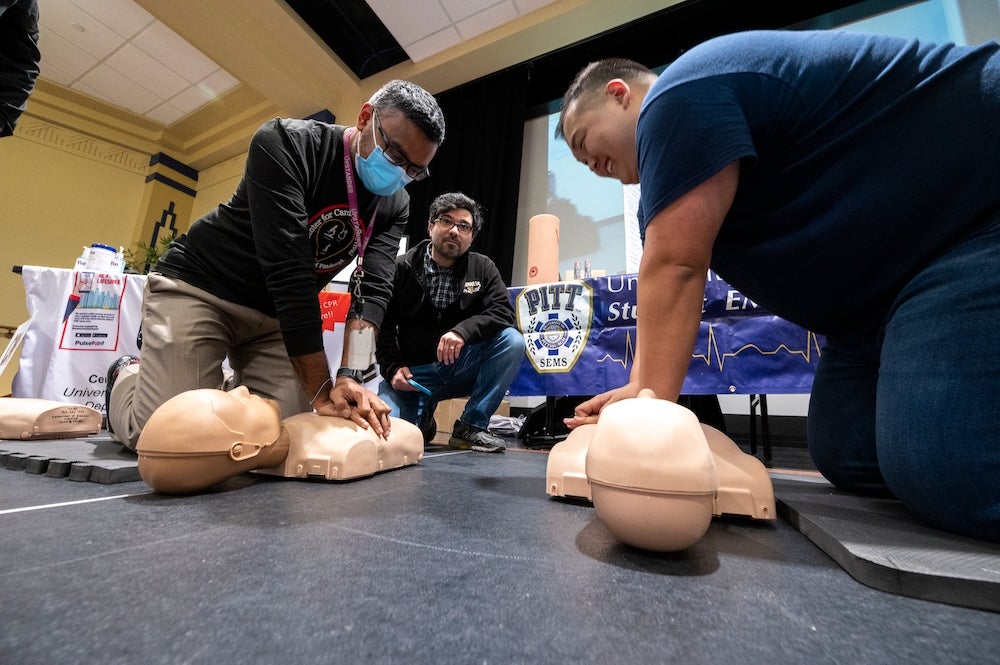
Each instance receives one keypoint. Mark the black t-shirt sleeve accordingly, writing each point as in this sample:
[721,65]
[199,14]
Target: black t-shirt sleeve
[686,135]
[275,189]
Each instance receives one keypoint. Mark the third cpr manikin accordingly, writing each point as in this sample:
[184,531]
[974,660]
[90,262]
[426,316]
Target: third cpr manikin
[656,475]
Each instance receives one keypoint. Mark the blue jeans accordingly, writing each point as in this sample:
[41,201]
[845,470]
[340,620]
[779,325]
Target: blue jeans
[482,373]
[911,407]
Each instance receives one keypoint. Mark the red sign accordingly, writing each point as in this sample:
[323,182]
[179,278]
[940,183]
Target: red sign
[334,308]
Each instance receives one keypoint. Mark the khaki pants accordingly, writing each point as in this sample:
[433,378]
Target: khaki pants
[187,335]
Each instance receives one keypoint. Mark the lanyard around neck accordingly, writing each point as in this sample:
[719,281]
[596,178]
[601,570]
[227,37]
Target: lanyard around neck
[362,233]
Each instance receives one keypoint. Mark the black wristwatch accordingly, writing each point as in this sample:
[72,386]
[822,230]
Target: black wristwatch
[356,374]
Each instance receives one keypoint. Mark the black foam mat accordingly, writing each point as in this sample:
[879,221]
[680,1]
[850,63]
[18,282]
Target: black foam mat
[879,543]
[96,459]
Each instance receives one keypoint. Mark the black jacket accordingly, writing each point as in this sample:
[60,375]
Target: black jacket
[413,325]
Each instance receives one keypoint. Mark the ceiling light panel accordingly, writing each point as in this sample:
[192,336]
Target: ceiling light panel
[410,21]
[63,62]
[462,9]
[486,20]
[426,27]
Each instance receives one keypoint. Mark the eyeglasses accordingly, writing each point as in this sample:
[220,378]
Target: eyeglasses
[396,156]
[448,224]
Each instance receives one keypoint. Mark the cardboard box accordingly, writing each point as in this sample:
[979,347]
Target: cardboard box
[449,411]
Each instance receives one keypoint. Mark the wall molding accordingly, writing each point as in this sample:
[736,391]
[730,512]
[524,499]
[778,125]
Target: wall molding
[213,175]
[60,138]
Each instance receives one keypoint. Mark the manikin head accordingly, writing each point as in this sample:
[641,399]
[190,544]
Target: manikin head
[600,111]
[652,473]
[202,437]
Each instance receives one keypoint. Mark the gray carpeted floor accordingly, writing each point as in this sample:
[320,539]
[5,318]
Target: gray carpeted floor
[460,559]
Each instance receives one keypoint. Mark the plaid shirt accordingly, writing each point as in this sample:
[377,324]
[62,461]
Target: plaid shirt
[440,282]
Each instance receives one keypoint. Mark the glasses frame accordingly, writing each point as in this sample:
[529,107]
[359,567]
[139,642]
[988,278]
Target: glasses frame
[396,156]
[459,225]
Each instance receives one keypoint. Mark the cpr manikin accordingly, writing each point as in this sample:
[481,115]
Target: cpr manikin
[29,418]
[656,475]
[202,437]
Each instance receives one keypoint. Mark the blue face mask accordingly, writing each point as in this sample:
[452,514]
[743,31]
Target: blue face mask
[379,175]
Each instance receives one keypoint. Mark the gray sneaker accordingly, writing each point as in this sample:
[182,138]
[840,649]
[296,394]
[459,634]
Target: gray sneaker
[467,437]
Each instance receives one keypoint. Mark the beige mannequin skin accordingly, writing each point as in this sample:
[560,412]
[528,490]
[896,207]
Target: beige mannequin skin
[203,437]
[656,476]
[29,418]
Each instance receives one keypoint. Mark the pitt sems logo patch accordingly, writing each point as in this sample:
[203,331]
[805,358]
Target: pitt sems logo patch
[473,287]
[556,321]
[332,238]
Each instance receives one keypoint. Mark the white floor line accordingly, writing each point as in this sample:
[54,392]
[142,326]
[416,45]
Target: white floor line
[450,452]
[68,503]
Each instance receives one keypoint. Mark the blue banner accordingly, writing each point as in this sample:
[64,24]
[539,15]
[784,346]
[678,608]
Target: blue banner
[581,339]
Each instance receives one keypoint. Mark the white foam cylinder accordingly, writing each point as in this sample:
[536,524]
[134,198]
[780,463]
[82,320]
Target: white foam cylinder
[543,249]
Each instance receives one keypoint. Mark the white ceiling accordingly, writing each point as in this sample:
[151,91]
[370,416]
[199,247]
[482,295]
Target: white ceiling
[118,52]
[426,27]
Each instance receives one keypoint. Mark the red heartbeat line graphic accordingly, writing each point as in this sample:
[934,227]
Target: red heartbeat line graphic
[712,351]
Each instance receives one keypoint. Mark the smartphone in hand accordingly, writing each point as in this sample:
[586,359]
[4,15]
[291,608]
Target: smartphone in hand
[418,386]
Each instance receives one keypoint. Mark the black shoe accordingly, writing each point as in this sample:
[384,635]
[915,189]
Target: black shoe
[429,428]
[113,371]
[467,437]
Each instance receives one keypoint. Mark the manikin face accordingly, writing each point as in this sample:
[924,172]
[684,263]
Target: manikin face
[451,235]
[251,418]
[601,132]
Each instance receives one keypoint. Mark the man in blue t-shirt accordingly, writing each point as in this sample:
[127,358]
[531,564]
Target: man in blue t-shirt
[851,184]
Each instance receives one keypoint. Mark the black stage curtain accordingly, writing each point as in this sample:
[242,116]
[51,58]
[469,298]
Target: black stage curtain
[480,156]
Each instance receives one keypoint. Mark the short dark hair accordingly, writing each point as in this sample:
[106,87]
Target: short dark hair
[455,201]
[594,77]
[416,104]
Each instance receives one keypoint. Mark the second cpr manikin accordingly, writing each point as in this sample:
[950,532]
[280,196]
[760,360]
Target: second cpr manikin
[656,476]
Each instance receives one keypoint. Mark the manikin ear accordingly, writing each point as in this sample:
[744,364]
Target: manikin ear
[619,91]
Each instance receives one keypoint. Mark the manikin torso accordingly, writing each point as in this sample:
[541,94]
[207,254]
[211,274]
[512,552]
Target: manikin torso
[29,418]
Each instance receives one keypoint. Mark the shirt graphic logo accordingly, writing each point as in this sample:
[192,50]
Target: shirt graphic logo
[473,287]
[332,238]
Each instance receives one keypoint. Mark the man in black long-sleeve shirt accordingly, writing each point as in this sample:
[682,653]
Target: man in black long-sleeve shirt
[242,284]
